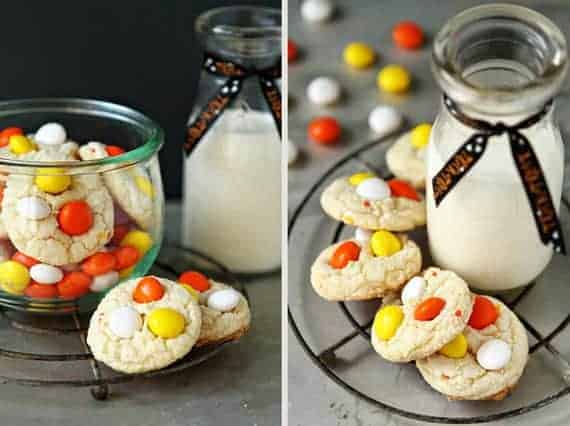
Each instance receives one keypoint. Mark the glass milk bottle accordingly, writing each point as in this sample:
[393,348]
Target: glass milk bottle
[495,158]
[232,170]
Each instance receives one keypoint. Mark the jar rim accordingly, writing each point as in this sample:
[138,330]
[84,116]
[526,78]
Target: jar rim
[152,142]
[501,100]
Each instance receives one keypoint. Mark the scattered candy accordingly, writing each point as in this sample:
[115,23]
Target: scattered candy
[323,91]
[292,152]
[74,284]
[347,252]
[394,79]
[40,291]
[224,300]
[357,178]
[359,55]
[457,348]
[140,240]
[429,309]
[374,189]
[19,144]
[99,264]
[384,243]
[7,133]
[401,188]
[166,323]
[387,321]
[113,150]
[24,260]
[33,208]
[494,354]
[126,257]
[43,273]
[292,51]
[316,10]
[484,313]
[419,137]
[384,120]
[124,322]
[196,280]
[324,130]
[148,289]
[408,35]
[14,277]
[104,281]
[52,180]
[362,235]
[75,218]
[51,134]
[145,186]
[413,290]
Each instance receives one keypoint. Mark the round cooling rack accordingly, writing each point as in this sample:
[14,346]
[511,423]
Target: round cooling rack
[336,336]
[44,351]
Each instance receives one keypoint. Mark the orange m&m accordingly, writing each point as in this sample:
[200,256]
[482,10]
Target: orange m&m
[73,285]
[24,260]
[75,218]
[149,289]
[114,150]
[292,51]
[429,309]
[401,188]
[196,280]
[408,35]
[126,257]
[484,313]
[99,264]
[324,130]
[41,291]
[7,132]
[345,253]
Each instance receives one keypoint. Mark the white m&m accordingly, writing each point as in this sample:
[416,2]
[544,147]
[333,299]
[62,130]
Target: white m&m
[414,289]
[362,235]
[494,354]
[124,322]
[374,189]
[384,120]
[224,300]
[51,134]
[34,208]
[317,10]
[292,152]
[323,91]
[43,273]
[104,281]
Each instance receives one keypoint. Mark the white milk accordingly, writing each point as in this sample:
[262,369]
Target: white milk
[232,193]
[484,229]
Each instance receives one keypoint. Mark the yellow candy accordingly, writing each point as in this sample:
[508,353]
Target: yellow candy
[457,348]
[394,79]
[357,178]
[145,186]
[359,55]
[387,321]
[140,240]
[384,243]
[420,135]
[52,180]
[19,144]
[14,277]
[125,273]
[193,292]
[166,323]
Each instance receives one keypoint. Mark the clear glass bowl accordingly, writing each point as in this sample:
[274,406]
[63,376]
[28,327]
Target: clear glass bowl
[120,199]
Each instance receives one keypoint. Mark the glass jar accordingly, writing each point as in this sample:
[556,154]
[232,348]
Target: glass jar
[77,216]
[232,171]
[500,64]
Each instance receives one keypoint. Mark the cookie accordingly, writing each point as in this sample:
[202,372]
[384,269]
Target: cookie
[407,162]
[430,314]
[495,357]
[368,276]
[123,333]
[369,203]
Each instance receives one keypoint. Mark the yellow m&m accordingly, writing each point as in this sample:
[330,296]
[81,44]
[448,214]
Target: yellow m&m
[384,243]
[19,144]
[166,323]
[357,178]
[52,180]
[140,240]
[193,292]
[420,135]
[394,79]
[359,55]
[145,186]
[387,321]
[14,277]
[457,348]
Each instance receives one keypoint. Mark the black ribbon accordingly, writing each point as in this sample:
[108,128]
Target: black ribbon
[526,162]
[229,90]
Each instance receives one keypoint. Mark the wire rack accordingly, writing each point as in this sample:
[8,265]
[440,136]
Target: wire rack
[325,356]
[41,334]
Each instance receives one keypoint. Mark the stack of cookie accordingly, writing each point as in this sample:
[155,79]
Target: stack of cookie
[465,346]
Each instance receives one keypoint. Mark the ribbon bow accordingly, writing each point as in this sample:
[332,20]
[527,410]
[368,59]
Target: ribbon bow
[229,90]
[526,162]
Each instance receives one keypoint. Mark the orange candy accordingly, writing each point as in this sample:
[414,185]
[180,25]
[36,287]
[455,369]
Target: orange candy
[292,51]
[148,290]
[344,253]
[75,218]
[401,188]
[7,132]
[408,35]
[196,280]
[41,291]
[99,264]
[324,130]
[24,260]
[484,313]
[73,285]
[114,150]
[126,257]
[429,309]
[119,233]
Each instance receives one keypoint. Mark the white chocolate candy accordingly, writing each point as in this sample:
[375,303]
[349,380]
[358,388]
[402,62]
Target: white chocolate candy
[374,189]
[104,281]
[224,300]
[43,273]
[51,134]
[414,289]
[317,10]
[323,91]
[384,120]
[33,208]
[292,152]
[93,151]
[494,354]
[362,235]
[124,322]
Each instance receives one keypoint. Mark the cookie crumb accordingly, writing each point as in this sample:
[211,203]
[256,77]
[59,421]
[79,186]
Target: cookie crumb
[366,203]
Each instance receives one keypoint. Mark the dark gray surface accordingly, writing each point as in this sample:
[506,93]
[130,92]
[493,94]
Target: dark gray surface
[313,398]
